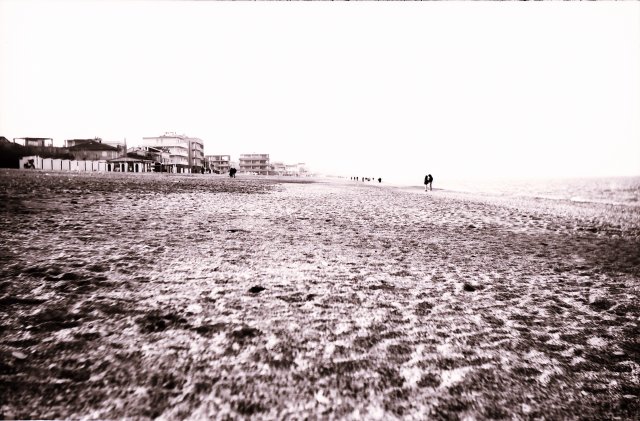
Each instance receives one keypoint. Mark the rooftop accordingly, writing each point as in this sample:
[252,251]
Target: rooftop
[93,146]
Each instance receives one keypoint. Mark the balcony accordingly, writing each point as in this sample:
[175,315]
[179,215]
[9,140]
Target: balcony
[252,162]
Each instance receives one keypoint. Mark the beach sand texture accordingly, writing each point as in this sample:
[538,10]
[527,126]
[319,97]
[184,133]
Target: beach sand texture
[156,295]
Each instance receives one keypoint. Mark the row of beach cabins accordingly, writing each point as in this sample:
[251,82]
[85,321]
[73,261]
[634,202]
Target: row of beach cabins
[118,165]
[170,152]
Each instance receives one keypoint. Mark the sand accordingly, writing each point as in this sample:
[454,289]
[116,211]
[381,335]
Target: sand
[196,296]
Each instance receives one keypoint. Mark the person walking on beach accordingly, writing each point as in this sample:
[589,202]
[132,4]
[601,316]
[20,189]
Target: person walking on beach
[428,179]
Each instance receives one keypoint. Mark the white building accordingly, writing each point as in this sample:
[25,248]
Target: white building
[277,168]
[254,163]
[296,170]
[185,153]
[219,164]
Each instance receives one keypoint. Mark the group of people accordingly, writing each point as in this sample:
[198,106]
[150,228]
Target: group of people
[428,181]
[366,179]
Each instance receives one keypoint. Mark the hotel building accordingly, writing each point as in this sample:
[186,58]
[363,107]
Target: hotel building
[186,154]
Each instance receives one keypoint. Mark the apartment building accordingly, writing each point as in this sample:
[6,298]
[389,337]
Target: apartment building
[257,163]
[219,164]
[185,153]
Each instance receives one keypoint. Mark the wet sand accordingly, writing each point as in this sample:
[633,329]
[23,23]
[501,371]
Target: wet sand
[151,295]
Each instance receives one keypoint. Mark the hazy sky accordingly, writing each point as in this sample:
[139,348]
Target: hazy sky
[367,89]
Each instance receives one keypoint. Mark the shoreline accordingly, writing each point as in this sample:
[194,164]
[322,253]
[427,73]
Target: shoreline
[489,194]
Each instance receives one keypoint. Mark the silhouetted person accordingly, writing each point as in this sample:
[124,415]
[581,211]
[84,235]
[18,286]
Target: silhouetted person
[428,179]
[232,173]
[379,180]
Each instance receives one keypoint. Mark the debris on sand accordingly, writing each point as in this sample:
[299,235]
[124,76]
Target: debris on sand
[469,287]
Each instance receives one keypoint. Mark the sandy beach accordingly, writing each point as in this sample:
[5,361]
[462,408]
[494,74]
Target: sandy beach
[195,296]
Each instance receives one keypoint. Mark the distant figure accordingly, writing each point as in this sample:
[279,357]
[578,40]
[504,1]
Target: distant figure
[232,173]
[428,179]
[379,180]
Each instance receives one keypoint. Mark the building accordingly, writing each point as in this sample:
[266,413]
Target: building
[186,154]
[35,142]
[12,151]
[298,170]
[93,150]
[132,164]
[277,168]
[255,163]
[219,164]
[159,157]
[290,170]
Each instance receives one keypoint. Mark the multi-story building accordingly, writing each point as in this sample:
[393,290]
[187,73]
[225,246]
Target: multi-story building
[219,164]
[196,154]
[185,153]
[257,163]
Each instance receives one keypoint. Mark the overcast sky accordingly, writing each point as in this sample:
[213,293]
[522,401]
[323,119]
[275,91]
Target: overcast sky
[368,89]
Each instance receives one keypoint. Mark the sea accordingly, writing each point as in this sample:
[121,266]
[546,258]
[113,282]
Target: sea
[624,191]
